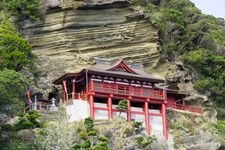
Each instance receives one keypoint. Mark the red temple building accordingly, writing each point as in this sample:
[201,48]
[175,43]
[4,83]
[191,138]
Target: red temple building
[103,85]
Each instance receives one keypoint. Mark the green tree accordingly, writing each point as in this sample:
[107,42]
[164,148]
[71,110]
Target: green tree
[89,123]
[12,92]
[29,121]
[15,52]
[22,9]
[122,106]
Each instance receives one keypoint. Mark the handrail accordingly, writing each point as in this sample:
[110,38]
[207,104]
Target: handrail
[77,95]
[143,92]
[25,109]
[187,108]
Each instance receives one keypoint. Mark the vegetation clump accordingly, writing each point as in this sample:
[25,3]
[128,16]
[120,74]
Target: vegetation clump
[122,106]
[22,9]
[12,92]
[145,142]
[15,51]
[194,38]
[21,134]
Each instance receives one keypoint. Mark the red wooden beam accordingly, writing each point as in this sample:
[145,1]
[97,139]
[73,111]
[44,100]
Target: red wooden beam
[165,133]
[147,127]
[64,91]
[91,103]
[110,107]
[128,111]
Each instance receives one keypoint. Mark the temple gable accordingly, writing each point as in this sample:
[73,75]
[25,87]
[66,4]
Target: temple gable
[121,67]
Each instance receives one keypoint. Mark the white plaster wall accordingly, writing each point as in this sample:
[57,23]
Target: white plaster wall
[154,111]
[139,118]
[116,115]
[101,114]
[137,109]
[156,125]
[78,110]
[100,105]
[114,106]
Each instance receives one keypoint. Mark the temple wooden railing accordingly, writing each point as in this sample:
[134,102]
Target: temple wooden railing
[185,108]
[81,95]
[128,90]
[26,109]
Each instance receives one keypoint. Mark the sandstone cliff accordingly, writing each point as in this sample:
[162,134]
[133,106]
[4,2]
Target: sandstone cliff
[72,33]
[70,36]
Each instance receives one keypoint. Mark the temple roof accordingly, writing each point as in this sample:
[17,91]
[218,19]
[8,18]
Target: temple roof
[118,69]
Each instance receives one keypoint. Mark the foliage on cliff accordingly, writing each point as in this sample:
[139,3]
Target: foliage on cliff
[89,135]
[198,40]
[187,34]
[15,51]
[19,135]
[15,54]
[12,92]
[21,9]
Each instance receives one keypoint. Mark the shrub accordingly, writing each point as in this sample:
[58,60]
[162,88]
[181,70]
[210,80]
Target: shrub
[77,146]
[89,123]
[221,113]
[138,124]
[103,139]
[59,135]
[92,133]
[15,51]
[104,144]
[145,142]
[100,147]
[12,98]
[86,144]
[7,127]
[139,140]
[21,145]
[202,84]
[29,121]
[122,106]
[23,9]
[174,15]
[83,135]
[221,126]
[127,132]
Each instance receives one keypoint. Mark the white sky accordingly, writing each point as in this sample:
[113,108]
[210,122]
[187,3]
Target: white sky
[211,7]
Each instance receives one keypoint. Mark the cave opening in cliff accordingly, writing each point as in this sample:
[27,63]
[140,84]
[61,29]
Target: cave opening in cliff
[54,94]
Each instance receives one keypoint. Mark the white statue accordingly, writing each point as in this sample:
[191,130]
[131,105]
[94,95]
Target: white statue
[53,106]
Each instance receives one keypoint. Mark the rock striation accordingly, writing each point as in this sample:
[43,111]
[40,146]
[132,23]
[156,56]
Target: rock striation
[70,36]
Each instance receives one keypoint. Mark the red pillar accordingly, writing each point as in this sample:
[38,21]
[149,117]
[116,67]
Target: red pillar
[165,133]
[91,103]
[128,111]
[73,89]
[65,91]
[147,127]
[110,107]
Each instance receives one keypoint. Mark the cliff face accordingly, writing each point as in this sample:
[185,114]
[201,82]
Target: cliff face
[69,38]
[72,33]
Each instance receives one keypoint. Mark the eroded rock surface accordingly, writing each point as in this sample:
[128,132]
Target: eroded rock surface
[70,37]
